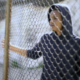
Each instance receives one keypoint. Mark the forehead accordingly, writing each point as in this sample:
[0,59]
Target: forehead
[55,13]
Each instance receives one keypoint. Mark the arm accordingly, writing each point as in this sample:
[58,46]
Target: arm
[22,52]
[36,51]
[33,53]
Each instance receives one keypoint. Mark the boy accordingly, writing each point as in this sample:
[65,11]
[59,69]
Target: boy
[60,49]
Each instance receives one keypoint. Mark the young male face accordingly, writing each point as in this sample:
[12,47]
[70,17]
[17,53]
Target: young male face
[56,21]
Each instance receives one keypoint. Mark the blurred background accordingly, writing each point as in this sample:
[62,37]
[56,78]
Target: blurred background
[28,24]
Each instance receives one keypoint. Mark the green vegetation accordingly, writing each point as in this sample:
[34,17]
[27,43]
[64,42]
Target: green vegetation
[41,66]
[15,64]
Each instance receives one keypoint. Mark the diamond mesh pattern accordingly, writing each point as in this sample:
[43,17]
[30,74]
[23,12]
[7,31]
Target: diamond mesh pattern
[2,27]
[49,56]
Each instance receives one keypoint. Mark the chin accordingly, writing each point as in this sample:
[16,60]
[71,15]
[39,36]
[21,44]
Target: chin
[53,29]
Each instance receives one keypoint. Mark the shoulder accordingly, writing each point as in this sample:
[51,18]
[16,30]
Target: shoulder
[46,37]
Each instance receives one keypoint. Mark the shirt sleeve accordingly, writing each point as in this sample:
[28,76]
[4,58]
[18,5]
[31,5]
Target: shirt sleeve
[36,51]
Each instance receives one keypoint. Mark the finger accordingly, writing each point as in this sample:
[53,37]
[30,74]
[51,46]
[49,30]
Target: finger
[3,41]
[3,45]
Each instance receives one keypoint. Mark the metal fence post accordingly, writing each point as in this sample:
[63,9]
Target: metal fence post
[7,30]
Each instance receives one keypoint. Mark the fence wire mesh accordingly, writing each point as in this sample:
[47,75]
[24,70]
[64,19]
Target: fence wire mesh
[2,30]
[36,27]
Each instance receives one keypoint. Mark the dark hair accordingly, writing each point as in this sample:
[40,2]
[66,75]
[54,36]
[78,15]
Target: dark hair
[52,8]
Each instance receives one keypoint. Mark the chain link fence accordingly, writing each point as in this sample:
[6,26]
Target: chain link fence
[2,31]
[29,25]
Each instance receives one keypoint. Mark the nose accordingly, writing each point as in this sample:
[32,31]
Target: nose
[51,21]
